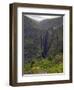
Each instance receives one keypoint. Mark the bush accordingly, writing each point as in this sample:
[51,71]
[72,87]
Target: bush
[45,65]
[58,58]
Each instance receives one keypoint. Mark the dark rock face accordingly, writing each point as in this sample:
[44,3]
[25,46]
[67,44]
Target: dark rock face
[42,39]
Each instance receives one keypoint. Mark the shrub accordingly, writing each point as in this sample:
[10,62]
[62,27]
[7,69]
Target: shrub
[45,65]
[58,58]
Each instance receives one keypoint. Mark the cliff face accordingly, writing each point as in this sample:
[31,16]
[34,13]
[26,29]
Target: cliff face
[42,39]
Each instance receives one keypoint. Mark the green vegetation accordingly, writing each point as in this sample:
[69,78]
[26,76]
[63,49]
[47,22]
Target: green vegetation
[53,64]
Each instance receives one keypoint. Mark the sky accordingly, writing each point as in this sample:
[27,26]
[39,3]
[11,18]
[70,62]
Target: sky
[41,17]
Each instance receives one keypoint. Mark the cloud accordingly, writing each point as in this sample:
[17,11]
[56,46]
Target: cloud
[41,17]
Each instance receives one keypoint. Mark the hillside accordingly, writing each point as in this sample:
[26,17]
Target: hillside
[35,34]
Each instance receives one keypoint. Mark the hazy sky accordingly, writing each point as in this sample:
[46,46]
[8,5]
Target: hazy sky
[41,17]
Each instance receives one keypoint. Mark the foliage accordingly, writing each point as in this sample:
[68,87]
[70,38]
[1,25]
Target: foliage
[52,64]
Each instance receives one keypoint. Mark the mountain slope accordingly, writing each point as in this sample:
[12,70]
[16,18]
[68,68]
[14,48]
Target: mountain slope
[43,38]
